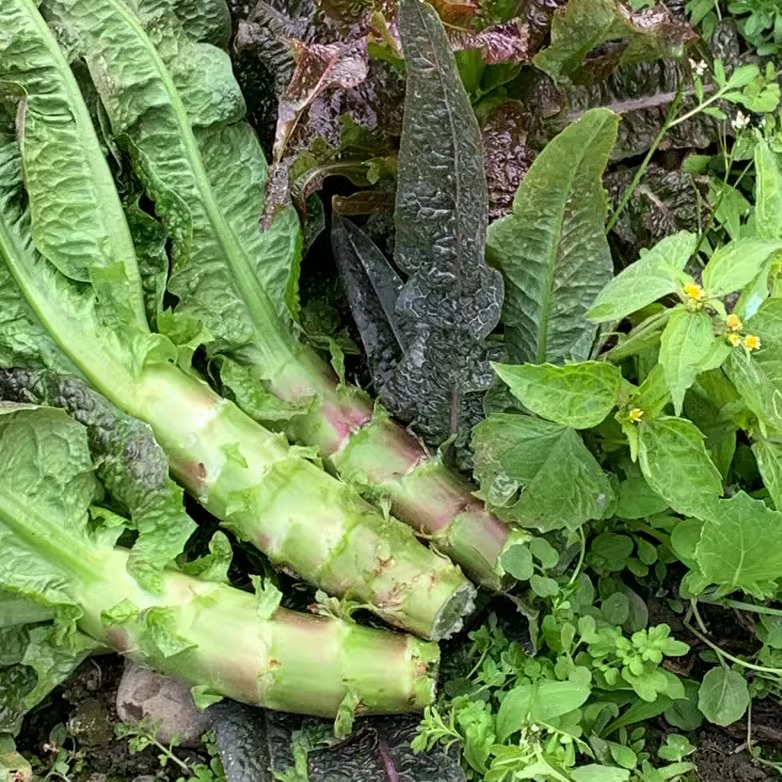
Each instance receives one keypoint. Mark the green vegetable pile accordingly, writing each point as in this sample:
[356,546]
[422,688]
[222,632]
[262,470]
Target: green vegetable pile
[589,335]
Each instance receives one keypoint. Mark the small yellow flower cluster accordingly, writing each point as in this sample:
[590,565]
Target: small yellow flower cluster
[693,291]
[635,415]
[734,324]
[751,342]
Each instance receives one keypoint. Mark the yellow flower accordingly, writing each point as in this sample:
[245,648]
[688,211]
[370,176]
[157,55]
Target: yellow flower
[693,291]
[751,342]
[734,339]
[635,415]
[733,322]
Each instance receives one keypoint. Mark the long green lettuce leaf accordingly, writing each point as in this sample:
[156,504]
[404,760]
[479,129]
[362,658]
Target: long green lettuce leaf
[174,105]
[77,218]
[552,249]
[50,320]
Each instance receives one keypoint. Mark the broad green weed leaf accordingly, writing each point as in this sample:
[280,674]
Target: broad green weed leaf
[653,393]
[771,630]
[543,586]
[553,699]
[563,484]
[723,697]
[576,395]
[759,391]
[737,264]
[610,551]
[684,540]
[517,561]
[544,552]
[684,713]
[592,772]
[552,249]
[768,455]
[675,463]
[686,342]
[637,500]
[538,702]
[655,274]
[767,325]
[616,609]
[741,546]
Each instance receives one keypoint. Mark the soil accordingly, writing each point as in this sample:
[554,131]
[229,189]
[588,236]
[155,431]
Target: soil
[717,760]
[85,706]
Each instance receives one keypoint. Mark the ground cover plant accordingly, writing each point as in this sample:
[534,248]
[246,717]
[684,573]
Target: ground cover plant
[457,321]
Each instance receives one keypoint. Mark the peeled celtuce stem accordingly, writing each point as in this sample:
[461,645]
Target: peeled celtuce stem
[304,519]
[298,515]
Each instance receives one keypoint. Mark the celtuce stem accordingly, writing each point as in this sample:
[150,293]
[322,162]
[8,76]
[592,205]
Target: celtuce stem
[365,447]
[301,517]
[290,662]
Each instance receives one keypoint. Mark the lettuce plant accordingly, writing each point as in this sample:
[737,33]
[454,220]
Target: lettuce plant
[74,298]
[203,168]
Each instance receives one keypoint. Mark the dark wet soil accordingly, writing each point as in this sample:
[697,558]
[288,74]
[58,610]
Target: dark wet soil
[85,706]
[717,760]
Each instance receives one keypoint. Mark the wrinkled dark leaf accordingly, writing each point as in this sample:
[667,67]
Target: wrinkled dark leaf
[451,298]
[258,746]
[506,42]
[507,155]
[589,38]
[664,203]
[372,287]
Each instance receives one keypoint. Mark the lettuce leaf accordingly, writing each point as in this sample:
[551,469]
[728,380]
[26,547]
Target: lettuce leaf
[63,233]
[179,113]
[129,463]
